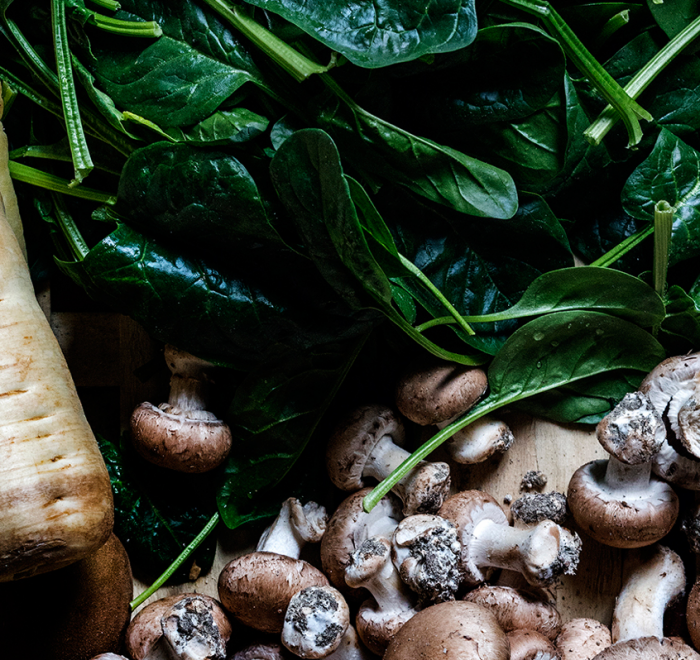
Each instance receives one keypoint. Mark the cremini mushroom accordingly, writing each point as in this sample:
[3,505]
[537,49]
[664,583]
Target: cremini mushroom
[263,651]
[366,444]
[454,629]
[391,605]
[619,502]
[541,553]
[294,527]
[516,609]
[531,645]
[348,527]
[182,434]
[692,614]
[649,648]
[426,552]
[186,626]
[582,639]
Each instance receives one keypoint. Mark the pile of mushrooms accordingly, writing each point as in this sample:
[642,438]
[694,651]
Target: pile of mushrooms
[433,572]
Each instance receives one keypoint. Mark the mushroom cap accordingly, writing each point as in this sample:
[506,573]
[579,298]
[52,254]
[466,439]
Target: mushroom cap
[315,622]
[191,630]
[480,440]
[353,440]
[466,510]
[530,645]
[184,363]
[670,377]
[516,609]
[676,468]
[435,393]
[348,528]
[632,520]
[256,588]
[692,614]
[633,431]
[263,651]
[109,656]
[649,648]
[455,629]
[73,613]
[146,628]
[185,441]
[377,628]
[582,639]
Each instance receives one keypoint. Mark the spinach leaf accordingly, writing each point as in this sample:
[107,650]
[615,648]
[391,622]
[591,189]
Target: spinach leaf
[374,34]
[273,415]
[224,127]
[181,78]
[680,330]
[671,173]
[673,17]
[157,513]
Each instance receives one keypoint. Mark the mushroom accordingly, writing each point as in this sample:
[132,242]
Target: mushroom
[692,614]
[256,588]
[262,651]
[391,605]
[516,609]
[315,622]
[535,507]
[531,645]
[582,639]
[109,656]
[455,629]
[426,552]
[348,527]
[364,444]
[649,648]
[181,434]
[73,613]
[439,393]
[619,502]
[541,554]
[183,627]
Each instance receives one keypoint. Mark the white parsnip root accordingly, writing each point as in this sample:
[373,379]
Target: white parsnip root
[55,496]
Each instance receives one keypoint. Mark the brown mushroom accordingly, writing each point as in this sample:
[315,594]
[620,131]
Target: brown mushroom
[582,639]
[109,656]
[649,648]
[364,444]
[479,440]
[263,651]
[692,614]
[455,629]
[516,609]
[531,645]
[181,434]
[348,527]
[185,626]
[619,502]
[541,553]
[80,611]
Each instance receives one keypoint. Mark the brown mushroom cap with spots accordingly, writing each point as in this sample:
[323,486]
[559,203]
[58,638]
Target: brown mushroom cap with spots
[455,629]
[583,639]
[531,645]
[692,614]
[649,648]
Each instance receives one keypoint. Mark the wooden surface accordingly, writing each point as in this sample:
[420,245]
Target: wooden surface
[105,351]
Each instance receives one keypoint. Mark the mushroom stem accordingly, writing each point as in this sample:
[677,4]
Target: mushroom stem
[294,527]
[188,393]
[627,478]
[385,457]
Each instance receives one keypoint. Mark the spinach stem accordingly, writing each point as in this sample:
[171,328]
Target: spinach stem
[293,62]
[107,4]
[181,559]
[612,25]
[70,231]
[642,79]
[82,163]
[622,248]
[418,273]
[42,179]
[125,28]
[663,224]
[627,108]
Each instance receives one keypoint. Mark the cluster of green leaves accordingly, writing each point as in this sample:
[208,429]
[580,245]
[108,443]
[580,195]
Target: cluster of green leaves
[425,188]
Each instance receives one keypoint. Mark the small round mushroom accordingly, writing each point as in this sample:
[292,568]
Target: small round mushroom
[479,440]
[531,645]
[182,435]
[183,627]
[426,553]
[391,605]
[454,629]
[364,444]
[619,502]
[294,527]
[583,639]
[516,609]
[541,554]
[315,622]
[348,527]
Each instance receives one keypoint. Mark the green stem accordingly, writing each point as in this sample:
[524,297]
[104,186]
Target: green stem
[70,231]
[35,177]
[298,66]
[410,266]
[622,248]
[643,78]
[82,163]
[663,224]
[181,559]
[107,4]
[627,108]
[612,25]
[126,28]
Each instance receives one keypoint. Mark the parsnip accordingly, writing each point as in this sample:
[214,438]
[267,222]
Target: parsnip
[55,496]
